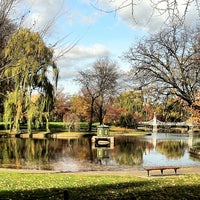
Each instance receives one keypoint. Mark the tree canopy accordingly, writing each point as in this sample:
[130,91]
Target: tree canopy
[29,62]
[168,61]
[99,84]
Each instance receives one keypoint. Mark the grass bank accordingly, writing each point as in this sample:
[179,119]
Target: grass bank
[58,130]
[23,186]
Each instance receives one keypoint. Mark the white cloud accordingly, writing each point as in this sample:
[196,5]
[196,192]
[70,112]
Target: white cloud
[79,58]
[90,19]
[144,15]
[42,12]
[85,52]
[80,54]
[67,74]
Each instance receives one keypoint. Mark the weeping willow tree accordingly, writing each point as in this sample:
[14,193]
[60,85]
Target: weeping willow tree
[32,69]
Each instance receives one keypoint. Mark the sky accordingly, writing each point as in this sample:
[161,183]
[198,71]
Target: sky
[92,32]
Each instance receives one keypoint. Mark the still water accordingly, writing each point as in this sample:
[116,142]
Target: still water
[127,152]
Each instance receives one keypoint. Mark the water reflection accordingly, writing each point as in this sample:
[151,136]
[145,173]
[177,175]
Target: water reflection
[78,154]
[172,149]
[43,154]
[129,151]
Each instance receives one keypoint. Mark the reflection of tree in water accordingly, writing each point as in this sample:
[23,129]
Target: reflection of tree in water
[81,149]
[38,153]
[129,151]
[171,149]
[10,152]
[20,153]
[197,146]
[195,157]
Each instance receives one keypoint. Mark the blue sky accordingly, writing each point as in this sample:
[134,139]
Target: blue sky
[96,33]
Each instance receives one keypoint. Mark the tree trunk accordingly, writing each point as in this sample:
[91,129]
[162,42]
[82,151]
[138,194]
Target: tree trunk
[101,114]
[91,115]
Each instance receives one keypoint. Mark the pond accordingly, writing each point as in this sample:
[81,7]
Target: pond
[72,155]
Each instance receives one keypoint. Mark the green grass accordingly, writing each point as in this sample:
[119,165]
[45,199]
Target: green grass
[79,186]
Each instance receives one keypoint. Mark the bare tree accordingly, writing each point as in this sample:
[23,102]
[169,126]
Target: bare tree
[100,83]
[7,27]
[169,62]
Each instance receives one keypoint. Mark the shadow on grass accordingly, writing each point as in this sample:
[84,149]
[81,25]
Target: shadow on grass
[132,190]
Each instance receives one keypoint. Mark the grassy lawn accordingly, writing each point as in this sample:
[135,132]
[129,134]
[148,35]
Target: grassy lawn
[81,186]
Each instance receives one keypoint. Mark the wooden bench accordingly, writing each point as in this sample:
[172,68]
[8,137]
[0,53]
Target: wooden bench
[161,168]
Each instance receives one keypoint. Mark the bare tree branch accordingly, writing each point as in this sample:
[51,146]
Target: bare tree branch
[170,61]
[168,8]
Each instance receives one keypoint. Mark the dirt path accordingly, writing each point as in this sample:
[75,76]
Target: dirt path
[139,173]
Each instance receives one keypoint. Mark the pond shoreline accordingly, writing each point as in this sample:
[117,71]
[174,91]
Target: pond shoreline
[65,135]
[140,173]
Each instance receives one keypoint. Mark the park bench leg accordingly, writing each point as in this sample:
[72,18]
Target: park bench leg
[175,170]
[161,171]
[148,172]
